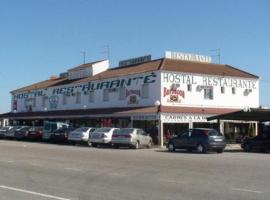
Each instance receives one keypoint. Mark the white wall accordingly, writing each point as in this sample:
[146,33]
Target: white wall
[198,82]
[55,94]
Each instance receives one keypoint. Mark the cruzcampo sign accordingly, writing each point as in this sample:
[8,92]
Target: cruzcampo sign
[90,86]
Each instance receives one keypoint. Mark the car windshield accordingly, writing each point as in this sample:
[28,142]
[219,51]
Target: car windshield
[82,129]
[25,128]
[125,131]
[102,130]
[35,129]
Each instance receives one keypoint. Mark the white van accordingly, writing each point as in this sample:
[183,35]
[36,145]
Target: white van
[50,127]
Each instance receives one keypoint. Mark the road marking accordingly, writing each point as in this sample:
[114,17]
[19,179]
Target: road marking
[73,169]
[247,190]
[117,174]
[33,193]
[7,161]
[172,181]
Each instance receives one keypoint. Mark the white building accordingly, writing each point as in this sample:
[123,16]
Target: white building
[173,93]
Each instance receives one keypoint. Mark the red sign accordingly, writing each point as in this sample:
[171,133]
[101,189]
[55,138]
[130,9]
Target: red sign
[174,94]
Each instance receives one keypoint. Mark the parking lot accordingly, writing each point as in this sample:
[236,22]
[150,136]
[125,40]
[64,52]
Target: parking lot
[49,171]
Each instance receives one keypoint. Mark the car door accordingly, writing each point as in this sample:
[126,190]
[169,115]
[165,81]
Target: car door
[145,138]
[195,137]
[140,136]
[181,140]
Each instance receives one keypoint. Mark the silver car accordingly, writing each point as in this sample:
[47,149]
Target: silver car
[10,133]
[101,136]
[131,137]
[80,134]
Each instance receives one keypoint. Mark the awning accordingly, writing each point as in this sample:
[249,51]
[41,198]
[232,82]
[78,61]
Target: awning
[111,112]
[251,114]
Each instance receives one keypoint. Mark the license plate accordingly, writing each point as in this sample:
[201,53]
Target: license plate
[218,140]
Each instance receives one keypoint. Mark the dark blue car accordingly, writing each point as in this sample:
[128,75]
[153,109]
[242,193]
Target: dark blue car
[200,139]
[22,132]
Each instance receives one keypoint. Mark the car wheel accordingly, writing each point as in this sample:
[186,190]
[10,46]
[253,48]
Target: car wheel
[220,150]
[201,148]
[137,145]
[94,145]
[150,144]
[115,146]
[171,147]
[89,143]
[247,148]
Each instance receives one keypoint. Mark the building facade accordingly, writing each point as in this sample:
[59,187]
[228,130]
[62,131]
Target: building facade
[163,96]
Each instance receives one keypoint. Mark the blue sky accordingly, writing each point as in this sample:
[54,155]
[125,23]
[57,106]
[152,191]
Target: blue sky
[39,38]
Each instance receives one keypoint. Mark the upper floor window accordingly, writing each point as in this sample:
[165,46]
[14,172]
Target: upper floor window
[105,95]
[44,101]
[208,93]
[122,91]
[91,97]
[189,87]
[233,90]
[64,99]
[78,98]
[145,91]
[222,90]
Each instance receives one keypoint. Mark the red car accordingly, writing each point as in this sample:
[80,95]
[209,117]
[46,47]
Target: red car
[35,133]
[61,135]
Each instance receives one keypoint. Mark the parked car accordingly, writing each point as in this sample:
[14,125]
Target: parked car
[22,132]
[50,127]
[61,135]
[131,137]
[4,130]
[101,136]
[35,133]
[80,134]
[260,143]
[10,133]
[200,139]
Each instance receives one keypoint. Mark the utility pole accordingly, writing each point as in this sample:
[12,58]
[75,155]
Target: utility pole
[218,54]
[83,53]
[107,51]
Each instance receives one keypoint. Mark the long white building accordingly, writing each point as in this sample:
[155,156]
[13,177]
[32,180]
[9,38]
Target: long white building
[167,94]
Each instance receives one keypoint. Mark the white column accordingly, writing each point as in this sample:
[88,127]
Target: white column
[131,121]
[221,127]
[160,131]
[256,128]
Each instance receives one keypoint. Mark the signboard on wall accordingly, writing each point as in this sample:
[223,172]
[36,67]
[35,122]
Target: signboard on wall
[134,61]
[183,117]
[187,57]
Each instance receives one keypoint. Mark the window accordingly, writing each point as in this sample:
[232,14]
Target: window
[78,98]
[105,95]
[44,101]
[122,93]
[222,89]
[91,97]
[145,91]
[189,87]
[64,99]
[233,90]
[34,102]
[208,93]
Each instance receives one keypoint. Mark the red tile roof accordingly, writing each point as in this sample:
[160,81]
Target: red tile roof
[154,65]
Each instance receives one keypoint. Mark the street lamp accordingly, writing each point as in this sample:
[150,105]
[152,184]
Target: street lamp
[160,125]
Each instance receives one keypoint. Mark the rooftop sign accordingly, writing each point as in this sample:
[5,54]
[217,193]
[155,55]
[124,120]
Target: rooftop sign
[134,61]
[187,57]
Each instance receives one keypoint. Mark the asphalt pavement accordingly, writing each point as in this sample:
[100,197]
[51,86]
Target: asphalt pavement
[49,171]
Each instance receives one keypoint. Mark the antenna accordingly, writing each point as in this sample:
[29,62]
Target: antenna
[83,53]
[218,54]
[107,51]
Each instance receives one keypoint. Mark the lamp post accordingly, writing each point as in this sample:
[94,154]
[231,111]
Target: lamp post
[160,124]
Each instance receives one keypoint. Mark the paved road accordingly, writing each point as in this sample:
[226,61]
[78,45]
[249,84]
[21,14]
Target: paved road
[44,171]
